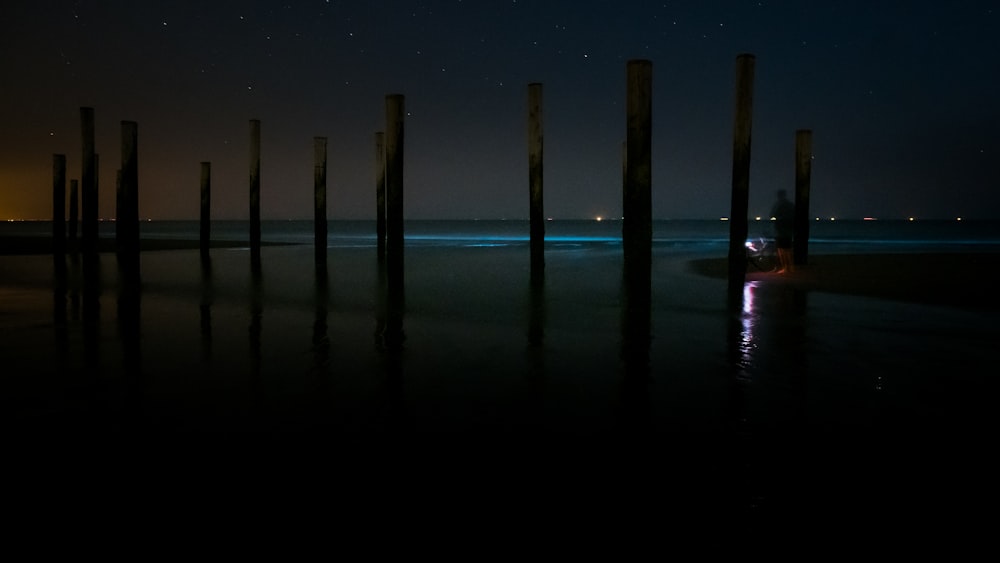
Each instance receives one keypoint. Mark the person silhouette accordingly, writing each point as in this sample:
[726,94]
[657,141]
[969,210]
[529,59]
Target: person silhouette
[783,215]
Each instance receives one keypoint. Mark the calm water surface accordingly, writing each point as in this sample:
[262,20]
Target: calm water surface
[788,399]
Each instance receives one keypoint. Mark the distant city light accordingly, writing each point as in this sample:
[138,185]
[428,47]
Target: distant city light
[599,218]
[758,218]
[723,218]
[870,219]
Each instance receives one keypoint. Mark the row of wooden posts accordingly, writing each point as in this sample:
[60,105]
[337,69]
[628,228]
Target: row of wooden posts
[636,190]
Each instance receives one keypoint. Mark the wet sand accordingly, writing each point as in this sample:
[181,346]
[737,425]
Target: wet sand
[964,280]
[958,279]
[806,402]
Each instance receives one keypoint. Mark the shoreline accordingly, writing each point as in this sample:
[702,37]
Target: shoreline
[15,245]
[965,280]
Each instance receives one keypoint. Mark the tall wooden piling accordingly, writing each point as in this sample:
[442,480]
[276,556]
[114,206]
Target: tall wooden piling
[738,220]
[59,204]
[637,223]
[88,180]
[380,191]
[803,175]
[118,208]
[536,211]
[637,218]
[319,198]
[129,300]
[127,221]
[74,208]
[394,129]
[394,107]
[205,230]
[255,193]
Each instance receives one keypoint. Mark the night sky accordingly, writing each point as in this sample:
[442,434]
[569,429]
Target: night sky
[903,99]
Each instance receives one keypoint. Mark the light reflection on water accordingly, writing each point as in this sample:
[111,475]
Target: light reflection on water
[748,321]
[290,347]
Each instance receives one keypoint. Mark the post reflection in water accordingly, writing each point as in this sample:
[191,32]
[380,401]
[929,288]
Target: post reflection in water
[390,302]
[536,322]
[205,307]
[394,336]
[320,335]
[91,309]
[254,331]
[389,344]
[60,290]
[380,300]
[636,334]
[129,301]
[60,305]
[74,285]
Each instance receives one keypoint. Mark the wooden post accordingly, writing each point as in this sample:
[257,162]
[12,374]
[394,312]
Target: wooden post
[738,219]
[394,114]
[127,222]
[74,208]
[803,174]
[96,221]
[394,174]
[255,193]
[637,219]
[205,230]
[536,212]
[319,198]
[118,208]
[637,225]
[380,191]
[59,204]
[88,180]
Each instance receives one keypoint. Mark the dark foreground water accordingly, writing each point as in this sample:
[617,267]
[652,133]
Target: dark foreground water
[787,403]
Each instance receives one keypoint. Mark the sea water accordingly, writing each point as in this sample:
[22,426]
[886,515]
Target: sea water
[789,388]
[689,235]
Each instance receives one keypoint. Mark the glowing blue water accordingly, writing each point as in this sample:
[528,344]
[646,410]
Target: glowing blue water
[681,235]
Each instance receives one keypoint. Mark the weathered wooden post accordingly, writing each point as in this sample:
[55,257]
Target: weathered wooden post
[88,180]
[536,212]
[394,113]
[319,198]
[91,270]
[380,192]
[205,225]
[58,204]
[637,222]
[127,222]
[74,208]
[803,174]
[96,218]
[255,194]
[624,168]
[118,210]
[738,220]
